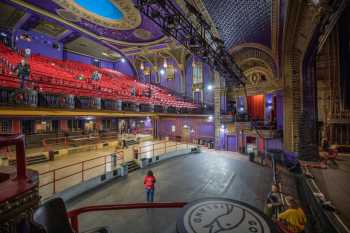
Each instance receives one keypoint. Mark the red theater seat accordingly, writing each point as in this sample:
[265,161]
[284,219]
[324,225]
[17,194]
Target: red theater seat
[59,76]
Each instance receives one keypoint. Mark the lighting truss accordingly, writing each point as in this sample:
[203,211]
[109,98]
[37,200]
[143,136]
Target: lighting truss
[196,37]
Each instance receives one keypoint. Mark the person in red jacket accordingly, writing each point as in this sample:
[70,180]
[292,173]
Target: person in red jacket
[149,182]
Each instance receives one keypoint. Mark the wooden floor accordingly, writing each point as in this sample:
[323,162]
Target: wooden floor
[334,183]
[186,178]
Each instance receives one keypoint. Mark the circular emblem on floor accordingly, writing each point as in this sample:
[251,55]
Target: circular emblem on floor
[219,215]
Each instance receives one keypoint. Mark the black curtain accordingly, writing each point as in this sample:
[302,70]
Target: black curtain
[344,50]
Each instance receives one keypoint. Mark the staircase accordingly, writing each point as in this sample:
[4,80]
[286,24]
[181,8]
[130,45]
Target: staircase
[32,160]
[133,166]
[130,142]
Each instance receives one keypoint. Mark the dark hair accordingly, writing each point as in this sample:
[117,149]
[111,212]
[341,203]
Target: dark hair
[150,173]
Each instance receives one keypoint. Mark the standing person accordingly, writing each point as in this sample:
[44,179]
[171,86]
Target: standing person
[23,72]
[294,217]
[273,202]
[149,182]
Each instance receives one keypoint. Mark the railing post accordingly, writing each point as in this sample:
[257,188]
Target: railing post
[165,147]
[82,171]
[74,223]
[152,150]
[54,181]
[106,164]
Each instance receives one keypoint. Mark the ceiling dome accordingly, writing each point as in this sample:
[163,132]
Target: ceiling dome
[103,8]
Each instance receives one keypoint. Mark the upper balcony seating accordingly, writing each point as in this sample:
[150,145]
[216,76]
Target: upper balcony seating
[62,77]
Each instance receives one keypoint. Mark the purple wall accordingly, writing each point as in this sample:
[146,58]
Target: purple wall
[42,44]
[232,143]
[274,144]
[268,107]
[198,127]
[77,57]
[39,44]
[125,67]
[171,84]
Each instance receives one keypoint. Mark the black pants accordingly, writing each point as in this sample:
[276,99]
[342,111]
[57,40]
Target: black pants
[23,80]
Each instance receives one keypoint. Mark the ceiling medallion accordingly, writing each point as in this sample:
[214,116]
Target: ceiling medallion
[142,34]
[131,16]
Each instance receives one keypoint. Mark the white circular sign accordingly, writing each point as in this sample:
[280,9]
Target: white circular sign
[223,216]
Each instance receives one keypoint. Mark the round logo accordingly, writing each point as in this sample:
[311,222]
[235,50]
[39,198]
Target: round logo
[223,216]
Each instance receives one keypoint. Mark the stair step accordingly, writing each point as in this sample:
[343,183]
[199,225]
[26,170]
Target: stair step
[132,166]
[32,160]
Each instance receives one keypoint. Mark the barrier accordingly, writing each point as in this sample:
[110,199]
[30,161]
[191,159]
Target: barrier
[59,179]
[160,148]
[78,172]
[325,221]
[74,214]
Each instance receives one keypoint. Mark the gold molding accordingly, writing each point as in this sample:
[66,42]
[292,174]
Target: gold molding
[48,112]
[275,26]
[82,30]
[261,47]
[131,16]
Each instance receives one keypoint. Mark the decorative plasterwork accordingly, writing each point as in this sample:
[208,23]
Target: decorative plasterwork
[131,16]
[74,26]
[261,47]
[275,27]
[261,53]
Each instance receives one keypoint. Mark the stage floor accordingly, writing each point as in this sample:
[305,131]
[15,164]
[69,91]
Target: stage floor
[334,184]
[186,178]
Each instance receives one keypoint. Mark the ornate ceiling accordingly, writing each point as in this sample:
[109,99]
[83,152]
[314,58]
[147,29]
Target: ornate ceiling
[120,23]
[242,21]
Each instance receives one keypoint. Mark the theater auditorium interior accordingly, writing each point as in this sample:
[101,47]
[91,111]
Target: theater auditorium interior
[174,116]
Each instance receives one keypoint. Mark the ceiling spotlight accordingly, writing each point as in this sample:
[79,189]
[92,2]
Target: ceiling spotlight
[194,43]
[165,65]
[142,66]
[155,14]
[210,87]
[162,71]
[122,60]
[210,118]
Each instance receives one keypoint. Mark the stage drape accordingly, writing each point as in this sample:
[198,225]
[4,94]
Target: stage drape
[256,106]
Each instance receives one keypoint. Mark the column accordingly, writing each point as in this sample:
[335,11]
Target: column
[217,108]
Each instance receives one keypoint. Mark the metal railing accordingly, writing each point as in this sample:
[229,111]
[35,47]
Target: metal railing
[74,214]
[156,149]
[59,179]
[78,172]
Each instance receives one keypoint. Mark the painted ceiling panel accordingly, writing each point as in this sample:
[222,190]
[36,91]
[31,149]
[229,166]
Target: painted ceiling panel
[104,8]
[9,16]
[130,26]
[242,21]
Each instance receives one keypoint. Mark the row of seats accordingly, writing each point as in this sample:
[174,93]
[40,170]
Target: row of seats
[58,76]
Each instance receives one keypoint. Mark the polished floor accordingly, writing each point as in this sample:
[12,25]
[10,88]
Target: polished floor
[186,178]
